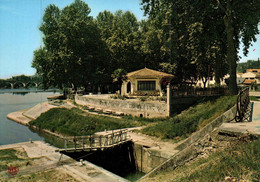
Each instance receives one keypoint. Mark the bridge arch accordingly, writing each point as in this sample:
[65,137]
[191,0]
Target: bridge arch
[9,85]
[19,84]
[33,84]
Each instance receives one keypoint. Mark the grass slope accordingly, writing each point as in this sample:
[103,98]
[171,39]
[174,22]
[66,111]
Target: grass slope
[191,119]
[11,157]
[238,163]
[77,122]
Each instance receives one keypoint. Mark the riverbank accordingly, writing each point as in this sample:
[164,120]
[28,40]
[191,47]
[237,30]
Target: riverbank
[25,116]
[34,161]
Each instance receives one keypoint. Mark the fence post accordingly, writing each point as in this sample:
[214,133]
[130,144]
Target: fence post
[65,143]
[83,143]
[169,99]
[112,137]
[75,142]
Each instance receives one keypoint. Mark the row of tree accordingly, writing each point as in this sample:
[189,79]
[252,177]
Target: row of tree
[190,39]
[250,64]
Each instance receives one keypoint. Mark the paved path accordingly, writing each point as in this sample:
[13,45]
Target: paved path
[81,171]
[252,127]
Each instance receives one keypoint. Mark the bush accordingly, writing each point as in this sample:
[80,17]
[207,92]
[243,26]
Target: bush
[142,99]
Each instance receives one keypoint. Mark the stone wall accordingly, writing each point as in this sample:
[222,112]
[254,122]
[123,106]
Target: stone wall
[147,159]
[128,107]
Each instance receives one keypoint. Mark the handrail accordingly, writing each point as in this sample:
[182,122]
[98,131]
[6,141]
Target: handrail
[95,141]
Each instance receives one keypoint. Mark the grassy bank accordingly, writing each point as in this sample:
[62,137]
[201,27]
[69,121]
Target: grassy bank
[11,157]
[191,119]
[44,176]
[76,122]
[238,163]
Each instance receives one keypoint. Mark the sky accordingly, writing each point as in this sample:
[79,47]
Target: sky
[20,35]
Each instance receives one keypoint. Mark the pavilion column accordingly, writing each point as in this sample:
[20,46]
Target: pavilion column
[160,87]
[124,88]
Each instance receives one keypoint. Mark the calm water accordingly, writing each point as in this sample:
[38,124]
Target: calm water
[14,100]
[12,132]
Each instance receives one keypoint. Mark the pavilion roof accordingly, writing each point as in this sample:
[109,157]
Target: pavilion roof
[149,73]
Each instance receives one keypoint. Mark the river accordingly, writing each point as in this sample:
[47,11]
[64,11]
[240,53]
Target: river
[12,100]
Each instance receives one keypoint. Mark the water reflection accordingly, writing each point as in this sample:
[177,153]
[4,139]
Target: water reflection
[10,131]
[20,93]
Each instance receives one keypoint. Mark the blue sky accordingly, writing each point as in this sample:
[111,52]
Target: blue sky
[20,36]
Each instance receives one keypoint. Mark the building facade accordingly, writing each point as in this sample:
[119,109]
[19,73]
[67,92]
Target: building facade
[145,82]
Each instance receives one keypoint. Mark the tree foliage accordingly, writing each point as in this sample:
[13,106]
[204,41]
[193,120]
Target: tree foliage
[208,32]
[73,52]
[250,64]
[190,39]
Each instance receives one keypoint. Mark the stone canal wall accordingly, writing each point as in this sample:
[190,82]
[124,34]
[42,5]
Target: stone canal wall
[147,158]
[191,147]
[128,107]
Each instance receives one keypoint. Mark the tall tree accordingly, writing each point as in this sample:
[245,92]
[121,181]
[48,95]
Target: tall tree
[120,32]
[73,47]
[241,20]
[238,18]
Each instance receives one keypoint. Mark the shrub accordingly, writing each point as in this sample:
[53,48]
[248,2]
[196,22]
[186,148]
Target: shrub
[143,98]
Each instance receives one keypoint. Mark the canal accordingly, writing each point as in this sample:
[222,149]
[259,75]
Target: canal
[12,100]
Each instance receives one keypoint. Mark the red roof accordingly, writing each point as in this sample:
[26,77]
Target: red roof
[247,81]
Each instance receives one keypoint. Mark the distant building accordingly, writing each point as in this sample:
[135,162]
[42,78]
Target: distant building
[253,70]
[240,78]
[251,76]
[145,82]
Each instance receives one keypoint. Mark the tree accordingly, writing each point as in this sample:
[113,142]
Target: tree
[239,18]
[120,32]
[73,53]
[242,67]
[119,75]
[43,65]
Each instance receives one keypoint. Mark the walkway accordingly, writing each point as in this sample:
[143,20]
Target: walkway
[45,158]
[252,127]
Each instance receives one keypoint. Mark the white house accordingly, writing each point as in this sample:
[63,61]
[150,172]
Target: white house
[249,77]
[145,82]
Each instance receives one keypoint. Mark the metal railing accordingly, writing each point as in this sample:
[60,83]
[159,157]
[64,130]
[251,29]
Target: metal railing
[243,101]
[199,92]
[100,141]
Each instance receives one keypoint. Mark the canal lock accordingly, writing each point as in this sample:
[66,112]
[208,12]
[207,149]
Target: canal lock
[128,160]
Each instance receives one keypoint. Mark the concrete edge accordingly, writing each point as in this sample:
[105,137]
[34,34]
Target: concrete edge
[106,171]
